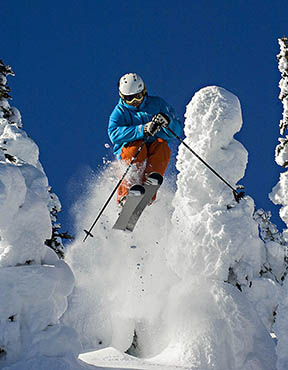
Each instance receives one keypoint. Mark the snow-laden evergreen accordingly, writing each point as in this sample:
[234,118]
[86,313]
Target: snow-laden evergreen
[170,291]
[275,264]
[221,233]
[283,84]
[217,238]
[267,290]
[280,191]
[34,283]
[279,195]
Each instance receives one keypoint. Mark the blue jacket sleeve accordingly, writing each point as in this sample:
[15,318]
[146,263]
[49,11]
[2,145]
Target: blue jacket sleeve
[118,130]
[175,123]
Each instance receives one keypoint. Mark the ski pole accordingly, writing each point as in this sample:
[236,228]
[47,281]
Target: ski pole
[237,195]
[88,232]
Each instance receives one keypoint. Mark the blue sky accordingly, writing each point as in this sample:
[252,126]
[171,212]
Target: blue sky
[68,57]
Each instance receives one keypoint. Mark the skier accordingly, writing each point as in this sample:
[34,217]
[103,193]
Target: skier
[139,117]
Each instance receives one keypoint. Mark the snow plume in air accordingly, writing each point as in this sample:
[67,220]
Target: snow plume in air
[175,290]
[121,278]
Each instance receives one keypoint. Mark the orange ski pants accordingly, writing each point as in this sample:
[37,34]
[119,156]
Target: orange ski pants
[156,155]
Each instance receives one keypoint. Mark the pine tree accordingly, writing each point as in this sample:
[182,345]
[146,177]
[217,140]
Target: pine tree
[55,242]
[279,194]
[12,116]
[275,265]
[6,112]
[283,68]
[34,282]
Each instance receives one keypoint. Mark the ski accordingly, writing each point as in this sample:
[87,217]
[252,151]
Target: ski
[129,206]
[151,185]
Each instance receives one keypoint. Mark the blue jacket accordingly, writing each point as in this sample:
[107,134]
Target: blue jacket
[127,123]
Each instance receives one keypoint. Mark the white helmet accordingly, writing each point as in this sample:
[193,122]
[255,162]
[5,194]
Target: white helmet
[131,84]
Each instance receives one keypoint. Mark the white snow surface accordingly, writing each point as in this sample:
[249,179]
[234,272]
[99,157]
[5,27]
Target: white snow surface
[161,293]
[114,359]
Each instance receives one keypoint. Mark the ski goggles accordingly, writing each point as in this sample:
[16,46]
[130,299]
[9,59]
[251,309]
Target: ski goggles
[135,98]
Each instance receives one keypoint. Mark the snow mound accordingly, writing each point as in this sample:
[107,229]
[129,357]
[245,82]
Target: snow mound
[18,144]
[35,320]
[213,326]
[112,358]
[24,196]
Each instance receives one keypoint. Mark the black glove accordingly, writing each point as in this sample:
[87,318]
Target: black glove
[159,120]
[151,128]
[162,119]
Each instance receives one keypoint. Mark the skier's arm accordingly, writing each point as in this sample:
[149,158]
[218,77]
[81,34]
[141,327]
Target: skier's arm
[124,134]
[119,132]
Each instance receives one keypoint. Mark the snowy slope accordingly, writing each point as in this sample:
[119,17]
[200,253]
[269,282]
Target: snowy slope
[162,292]
[113,359]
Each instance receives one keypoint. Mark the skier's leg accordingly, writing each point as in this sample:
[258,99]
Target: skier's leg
[158,158]
[136,175]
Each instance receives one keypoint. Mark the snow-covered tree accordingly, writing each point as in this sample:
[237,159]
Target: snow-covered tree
[275,264]
[279,195]
[56,240]
[283,68]
[224,232]
[34,283]
[218,238]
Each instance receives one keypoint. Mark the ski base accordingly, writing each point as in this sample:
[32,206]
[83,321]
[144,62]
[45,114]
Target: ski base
[129,206]
[135,205]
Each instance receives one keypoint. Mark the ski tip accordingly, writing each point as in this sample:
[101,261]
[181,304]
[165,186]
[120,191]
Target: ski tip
[136,188]
[155,176]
